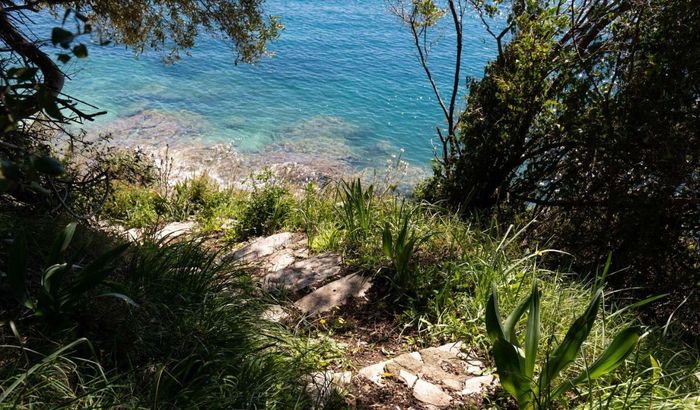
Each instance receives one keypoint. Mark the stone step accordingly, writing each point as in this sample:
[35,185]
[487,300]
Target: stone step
[304,273]
[438,377]
[334,294]
[260,248]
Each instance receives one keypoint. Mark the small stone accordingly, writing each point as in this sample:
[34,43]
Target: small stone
[400,373]
[453,384]
[281,260]
[262,247]
[431,394]
[275,313]
[175,230]
[333,294]
[375,372]
[410,361]
[455,348]
[133,235]
[322,385]
[475,385]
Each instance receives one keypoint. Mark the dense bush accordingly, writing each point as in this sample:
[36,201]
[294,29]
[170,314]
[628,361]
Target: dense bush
[266,208]
[587,120]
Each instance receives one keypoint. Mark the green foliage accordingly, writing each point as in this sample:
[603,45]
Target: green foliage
[64,283]
[265,210]
[200,197]
[135,207]
[598,145]
[356,210]
[399,243]
[516,366]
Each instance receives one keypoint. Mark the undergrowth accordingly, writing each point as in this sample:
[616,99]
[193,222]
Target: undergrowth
[193,335]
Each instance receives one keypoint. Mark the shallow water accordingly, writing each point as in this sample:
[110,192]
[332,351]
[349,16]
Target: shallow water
[344,81]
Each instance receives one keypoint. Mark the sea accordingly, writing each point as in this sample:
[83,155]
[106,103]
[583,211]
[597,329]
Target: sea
[342,80]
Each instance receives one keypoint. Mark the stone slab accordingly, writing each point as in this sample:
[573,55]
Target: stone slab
[334,294]
[304,273]
[174,230]
[263,247]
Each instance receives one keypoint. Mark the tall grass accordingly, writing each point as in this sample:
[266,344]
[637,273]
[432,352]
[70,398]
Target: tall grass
[193,338]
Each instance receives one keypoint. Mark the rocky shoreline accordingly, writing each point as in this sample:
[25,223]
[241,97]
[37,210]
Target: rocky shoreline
[178,146]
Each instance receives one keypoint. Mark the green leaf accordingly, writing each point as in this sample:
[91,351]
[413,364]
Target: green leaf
[623,344]
[387,245]
[532,338]
[512,320]
[93,274]
[616,353]
[61,243]
[61,36]
[655,369]
[48,166]
[52,278]
[80,51]
[510,373]
[569,348]
[493,317]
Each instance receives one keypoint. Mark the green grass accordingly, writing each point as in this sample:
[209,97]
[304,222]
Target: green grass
[193,338]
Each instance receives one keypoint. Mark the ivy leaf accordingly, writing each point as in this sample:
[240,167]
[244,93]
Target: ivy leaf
[80,51]
[61,36]
[47,165]
[64,58]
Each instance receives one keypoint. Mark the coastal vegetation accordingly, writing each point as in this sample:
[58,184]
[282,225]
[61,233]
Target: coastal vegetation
[564,194]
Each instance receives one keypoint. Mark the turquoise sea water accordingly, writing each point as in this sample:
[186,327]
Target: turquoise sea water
[342,69]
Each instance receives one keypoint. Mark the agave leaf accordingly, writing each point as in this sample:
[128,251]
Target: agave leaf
[532,337]
[655,369]
[386,241]
[615,354]
[17,270]
[61,243]
[52,277]
[510,372]
[512,320]
[568,349]
[622,345]
[493,317]
[93,274]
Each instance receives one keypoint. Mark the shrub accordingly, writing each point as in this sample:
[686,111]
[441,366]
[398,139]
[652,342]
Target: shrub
[135,207]
[355,213]
[265,210]
[399,243]
[63,283]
